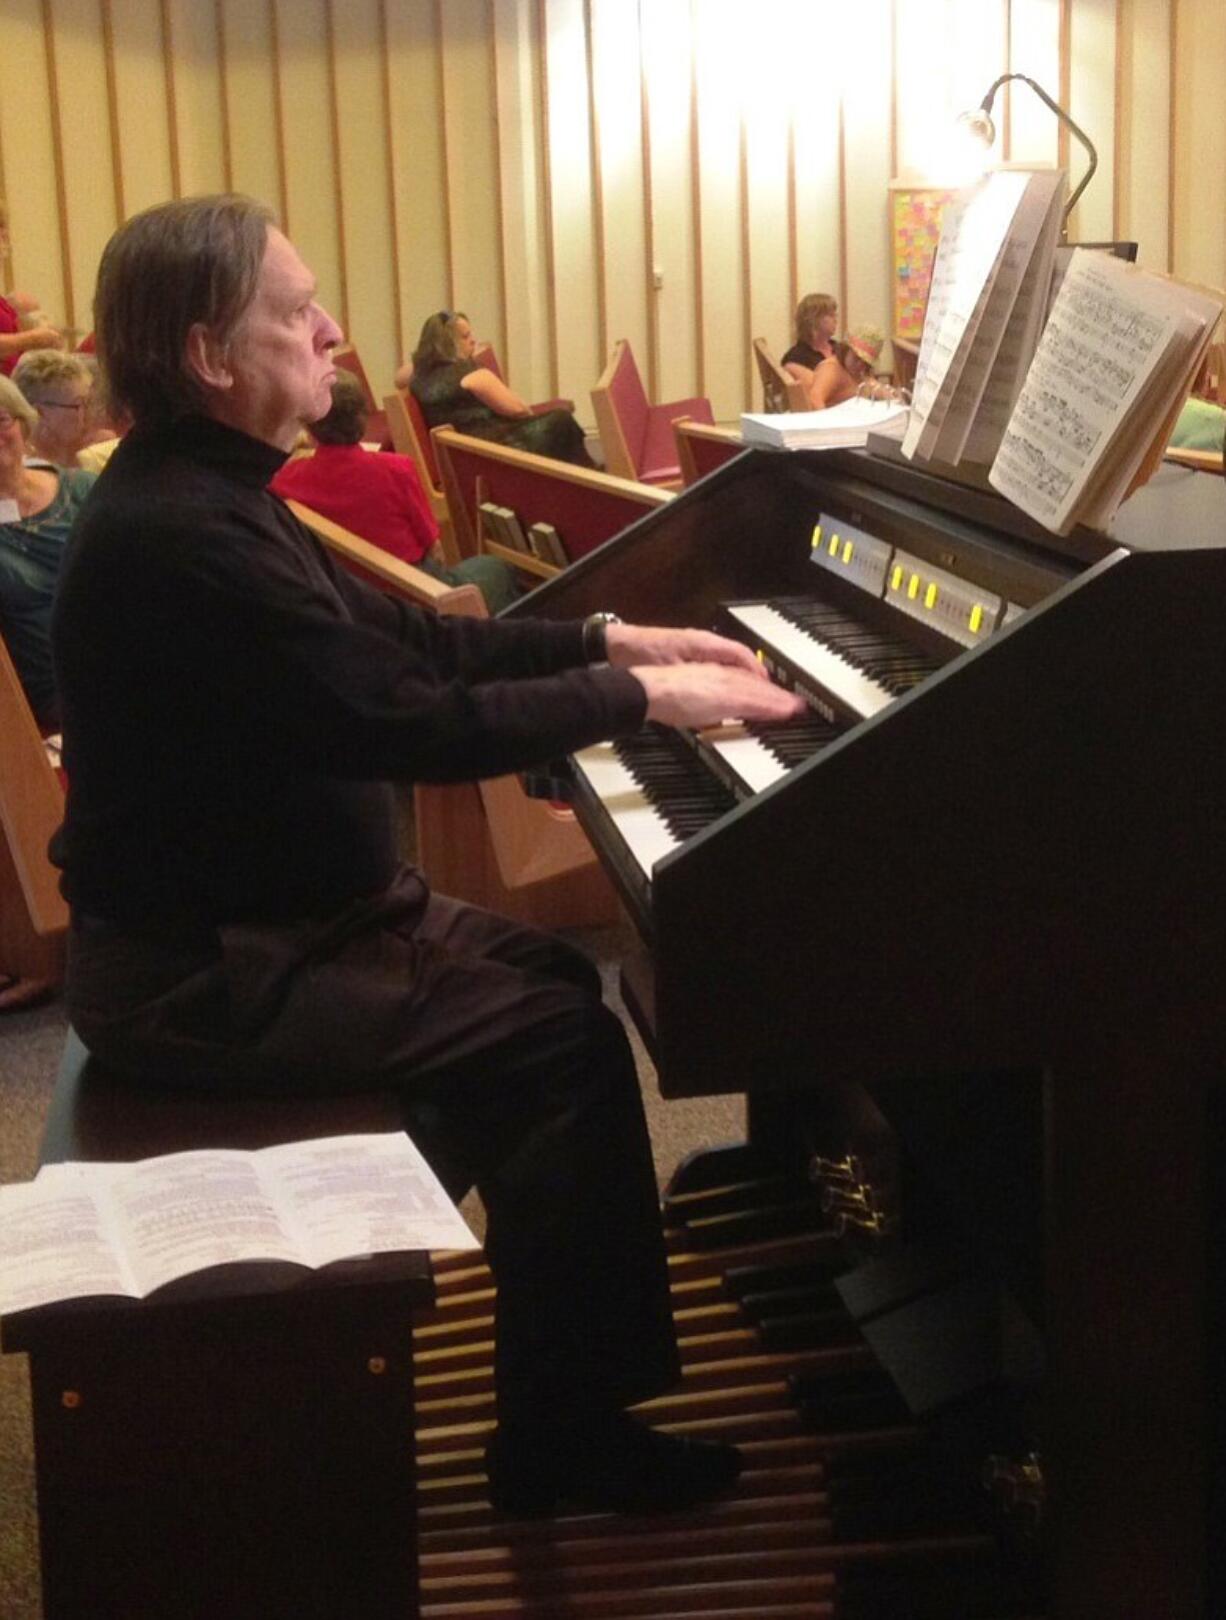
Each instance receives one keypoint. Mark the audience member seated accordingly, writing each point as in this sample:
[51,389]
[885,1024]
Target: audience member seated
[22,326]
[379,496]
[817,320]
[850,371]
[37,509]
[60,387]
[453,391]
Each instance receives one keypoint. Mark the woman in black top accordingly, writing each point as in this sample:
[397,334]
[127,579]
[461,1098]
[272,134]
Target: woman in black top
[454,391]
[817,320]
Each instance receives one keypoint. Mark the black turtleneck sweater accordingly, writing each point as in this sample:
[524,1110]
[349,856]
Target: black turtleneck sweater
[235,704]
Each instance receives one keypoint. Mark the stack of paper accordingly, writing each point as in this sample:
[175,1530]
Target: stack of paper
[836,428]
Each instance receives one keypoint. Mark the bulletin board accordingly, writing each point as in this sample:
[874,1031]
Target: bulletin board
[915,227]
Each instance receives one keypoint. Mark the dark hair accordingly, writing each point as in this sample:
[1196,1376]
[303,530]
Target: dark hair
[168,269]
[437,344]
[345,423]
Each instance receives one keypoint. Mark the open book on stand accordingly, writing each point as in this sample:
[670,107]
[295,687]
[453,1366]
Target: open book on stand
[87,1229]
[1069,399]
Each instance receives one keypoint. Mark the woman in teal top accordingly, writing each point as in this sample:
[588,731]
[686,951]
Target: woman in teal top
[453,391]
[38,504]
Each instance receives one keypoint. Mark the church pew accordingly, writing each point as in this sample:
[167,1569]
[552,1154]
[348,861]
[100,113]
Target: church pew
[585,507]
[488,842]
[33,915]
[701,448]
[410,437]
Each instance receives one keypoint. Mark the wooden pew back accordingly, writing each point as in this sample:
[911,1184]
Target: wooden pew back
[780,392]
[585,507]
[702,448]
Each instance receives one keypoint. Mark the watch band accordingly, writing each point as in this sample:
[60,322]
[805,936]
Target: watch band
[595,637]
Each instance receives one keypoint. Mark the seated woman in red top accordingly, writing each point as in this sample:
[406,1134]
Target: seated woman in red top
[20,326]
[379,497]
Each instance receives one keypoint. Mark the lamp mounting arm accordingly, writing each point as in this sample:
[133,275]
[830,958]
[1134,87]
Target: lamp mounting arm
[1092,155]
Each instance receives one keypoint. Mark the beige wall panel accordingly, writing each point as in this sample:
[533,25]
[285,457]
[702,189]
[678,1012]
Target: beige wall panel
[29,166]
[867,162]
[521,182]
[84,122]
[1143,146]
[417,162]
[1092,104]
[571,203]
[936,82]
[140,104]
[250,107]
[197,108]
[666,56]
[725,333]
[366,218]
[1200,142]
[472,165]
[767,121]
[1035,50]
[618,93]
[310,162]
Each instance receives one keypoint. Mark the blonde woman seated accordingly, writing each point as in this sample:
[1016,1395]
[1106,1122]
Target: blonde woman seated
[60,387]
[453,391]
[817,320]
[849,371]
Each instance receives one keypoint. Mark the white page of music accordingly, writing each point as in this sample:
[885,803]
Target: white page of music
[56,1243]
[966,260]
[1106,333]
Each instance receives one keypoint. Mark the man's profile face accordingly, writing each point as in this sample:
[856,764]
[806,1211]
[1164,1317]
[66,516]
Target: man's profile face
[280,357]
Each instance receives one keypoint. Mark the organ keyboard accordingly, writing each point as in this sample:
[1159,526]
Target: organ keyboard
[990,897]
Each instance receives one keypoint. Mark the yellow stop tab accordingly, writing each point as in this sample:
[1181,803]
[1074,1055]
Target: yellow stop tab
[976,618]
[834,545]
[930,597]
[896,578]
[817,537]
[848,548]
[913,586]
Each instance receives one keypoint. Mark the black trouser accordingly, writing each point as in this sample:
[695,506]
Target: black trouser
[516,1079]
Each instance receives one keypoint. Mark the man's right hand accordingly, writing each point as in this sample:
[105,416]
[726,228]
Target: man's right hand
[705,694]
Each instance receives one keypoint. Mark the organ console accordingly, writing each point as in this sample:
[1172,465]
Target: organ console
[977,895]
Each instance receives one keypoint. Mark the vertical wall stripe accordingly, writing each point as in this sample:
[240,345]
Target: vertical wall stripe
[393,216]
[112,109]
[278,118]
[1172,136]
[448,189]
[649,226]
[337,187]
[1117,125]
[747,332]
[842,216]
[700,359]
[223,90]
[893,89]
[793,222]
[57,158]
[1006,134]
[551,280]
[172,116]
[1064,95]
[596,191]
[499,208]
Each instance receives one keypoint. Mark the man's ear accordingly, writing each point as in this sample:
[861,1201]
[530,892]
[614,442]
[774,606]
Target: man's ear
[208,359]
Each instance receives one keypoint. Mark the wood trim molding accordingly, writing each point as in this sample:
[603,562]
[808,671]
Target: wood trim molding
[445,153]
[842,162]
[649,224]
[223,91]
[491,34]
[1172,134]
[393,215]
[747,360]
[57,158]
[551,266]
[1118,145]
[1006,124]
[278,113]
[172,104]
[1065,57]
[597,161]
[700,354]
[338,188]
[112,109]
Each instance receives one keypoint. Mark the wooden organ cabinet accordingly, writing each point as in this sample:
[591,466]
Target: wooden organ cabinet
[965,932]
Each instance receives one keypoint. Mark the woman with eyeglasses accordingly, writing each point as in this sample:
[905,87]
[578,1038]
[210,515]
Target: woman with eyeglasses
[454,391]
[21,326]
[38,505]
[60,387]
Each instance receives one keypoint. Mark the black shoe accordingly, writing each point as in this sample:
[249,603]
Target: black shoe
[615,1466]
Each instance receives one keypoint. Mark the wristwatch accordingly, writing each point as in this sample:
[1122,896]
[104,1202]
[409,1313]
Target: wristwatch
[595,627]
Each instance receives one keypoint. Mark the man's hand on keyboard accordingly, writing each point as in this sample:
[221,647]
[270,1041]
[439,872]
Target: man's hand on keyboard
[628,645]
[704,694]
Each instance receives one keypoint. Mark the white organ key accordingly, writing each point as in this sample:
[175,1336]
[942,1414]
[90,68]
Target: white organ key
[863,695]
[637,820]
[748,756]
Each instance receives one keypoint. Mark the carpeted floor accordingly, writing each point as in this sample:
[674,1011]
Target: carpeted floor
[30,1045]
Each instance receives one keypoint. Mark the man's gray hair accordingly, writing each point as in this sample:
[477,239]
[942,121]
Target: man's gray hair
[196,261]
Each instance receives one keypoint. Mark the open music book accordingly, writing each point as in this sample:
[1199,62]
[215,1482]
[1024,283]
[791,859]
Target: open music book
[1062,371]
[80,1230]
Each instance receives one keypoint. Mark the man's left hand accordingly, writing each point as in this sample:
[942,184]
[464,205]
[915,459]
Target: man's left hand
[628,644]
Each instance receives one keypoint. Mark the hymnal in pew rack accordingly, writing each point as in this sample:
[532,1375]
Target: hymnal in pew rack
[1060,371]
[84,1230]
